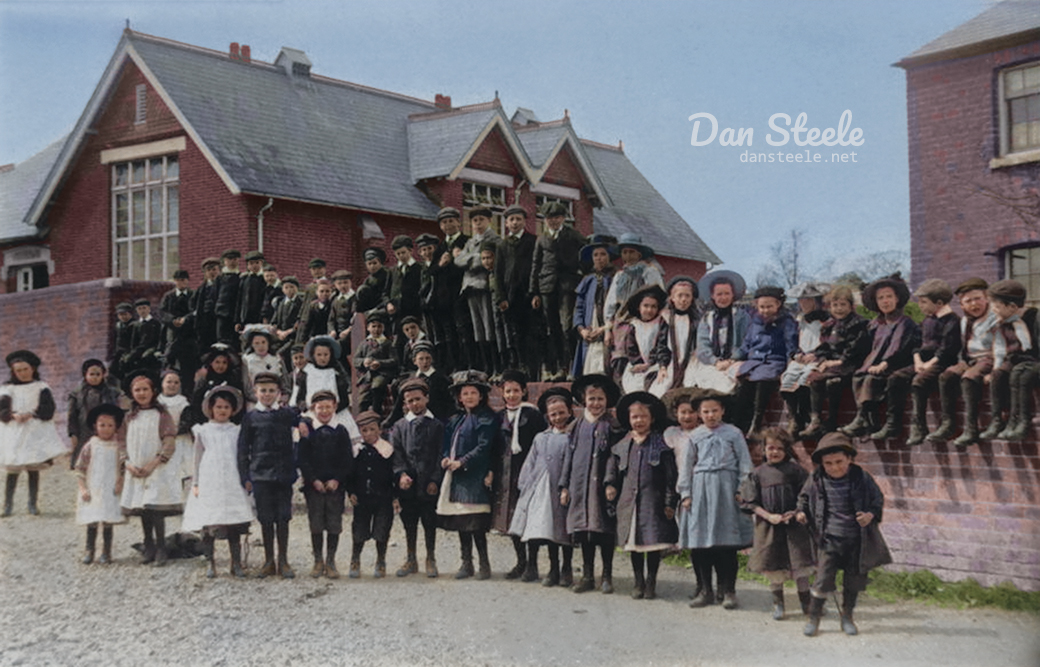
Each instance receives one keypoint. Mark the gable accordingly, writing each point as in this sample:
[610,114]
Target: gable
[563,170]
[494,155]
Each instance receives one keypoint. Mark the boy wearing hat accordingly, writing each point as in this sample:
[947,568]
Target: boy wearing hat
[411,334]
[371,494]
[286,316]
[417,439]
[1014,362]
[940,346]
[555,273]
[272,293]
[405,283]
[267,467]
[375,291]
[326,461]
[251,291]
[435,297]
[317,268]
[179,352]
[450,309]
[344,307]
[145,340]
[440,401]
[842,505]
[973,365]
[314,317]
[475,289]
[228,287]
[122,334]
[375,363]
[204,303]
[591,355]
[512,299]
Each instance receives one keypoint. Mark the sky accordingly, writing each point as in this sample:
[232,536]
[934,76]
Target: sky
[628,71]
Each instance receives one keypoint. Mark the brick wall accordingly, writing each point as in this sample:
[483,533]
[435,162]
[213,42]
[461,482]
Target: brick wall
[956,224]
[68,324]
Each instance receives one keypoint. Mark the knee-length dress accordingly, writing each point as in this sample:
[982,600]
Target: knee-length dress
[785,548]
[539,514]
[32,444]
[184,457]
[644,474]
[146,428]
[99,465]
[713,468]
[221,501]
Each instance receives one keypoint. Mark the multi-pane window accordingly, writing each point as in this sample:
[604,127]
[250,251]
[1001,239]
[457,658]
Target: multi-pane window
[542,202]
[474,195]
[1021,88]
[1023,265]
[146,218]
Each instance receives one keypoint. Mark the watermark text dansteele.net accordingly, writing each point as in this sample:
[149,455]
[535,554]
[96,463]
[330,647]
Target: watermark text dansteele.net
[783,131]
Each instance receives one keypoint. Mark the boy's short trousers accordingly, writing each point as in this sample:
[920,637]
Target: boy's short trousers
[325,510]
[839,553]
[373,518]
[273,501]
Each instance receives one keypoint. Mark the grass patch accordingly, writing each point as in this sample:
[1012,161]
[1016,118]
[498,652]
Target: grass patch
[920,586]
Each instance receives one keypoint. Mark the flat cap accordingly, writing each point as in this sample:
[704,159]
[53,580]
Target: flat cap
[448,212]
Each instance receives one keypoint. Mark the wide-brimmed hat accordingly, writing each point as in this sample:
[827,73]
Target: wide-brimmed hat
[896,282]
[657,410]
[832,443]
[632,240]
[559,392]
[598,241]
[328,341]
[27,356]
[470,378]
[810,289]
[600,380]
[207,409]
[655,291]
[673,397]
[109,409]
[251,330]
[723,275]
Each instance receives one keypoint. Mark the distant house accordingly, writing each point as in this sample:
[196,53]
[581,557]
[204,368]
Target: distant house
[182,152]
[973,113]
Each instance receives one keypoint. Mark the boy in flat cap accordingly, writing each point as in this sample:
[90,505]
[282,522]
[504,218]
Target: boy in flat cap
[314,318]
[405,283]
[123,333]
[1014,362]
[434,297]
[555,273]
[417,438]
[317,269]
[344,307]
[204,303]
[375,291]
[475,285]
[452,311]
[228,284]
[842,505]
[145,340]
[440,401]
[973,365]
[513,297]
[180,352]
[371,494]
[251,291]
[272,293]
[940,346]
[286,317]
[375,363]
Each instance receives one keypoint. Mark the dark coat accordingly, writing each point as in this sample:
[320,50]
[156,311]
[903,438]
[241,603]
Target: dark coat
[417,453]
[266,452]
[893,340]
[287,314]
[251,291]
[314,321]
[383,352]
[556,267]
[513,270]
[645,476]
[767,347]
[228,285]
[844,340]
[404,290]
[475,436]
[174,307]
[441,404]
[447,280]
[342,317]
[82,400]
[775,489]
[584,469]
[325,454]
[373,474]
[941,337]
[866,497]
[585,311]
[203,315]
[145,343]
[273,295]
[375,291]
[507,465]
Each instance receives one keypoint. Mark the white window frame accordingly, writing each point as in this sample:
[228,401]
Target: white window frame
[24,279]
[1031,276]
[159,178]
[475,195]
[1008,156]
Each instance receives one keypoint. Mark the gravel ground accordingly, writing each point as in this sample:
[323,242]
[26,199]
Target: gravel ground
[55,611]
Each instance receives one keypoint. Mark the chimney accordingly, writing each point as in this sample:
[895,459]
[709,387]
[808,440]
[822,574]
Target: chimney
[246,54]
[234,51]
[442,101]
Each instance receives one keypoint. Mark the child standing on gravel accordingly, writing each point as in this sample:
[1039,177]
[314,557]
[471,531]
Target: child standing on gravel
[371,494]
[99,471]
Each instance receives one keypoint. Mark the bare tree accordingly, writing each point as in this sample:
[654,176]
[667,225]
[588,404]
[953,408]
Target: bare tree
[786,267]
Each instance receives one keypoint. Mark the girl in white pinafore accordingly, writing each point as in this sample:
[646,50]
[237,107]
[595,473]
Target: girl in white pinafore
[99,469]
[152,487]
[175,402]
[29,439]
[218,504]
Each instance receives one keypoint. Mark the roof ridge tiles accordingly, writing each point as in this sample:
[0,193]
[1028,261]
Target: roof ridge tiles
[456,111]
[598,144]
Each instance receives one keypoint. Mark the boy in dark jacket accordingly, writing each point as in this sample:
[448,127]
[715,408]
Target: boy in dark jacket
[453,333]
[375,364]
[341,318]
[326,461]
[417,439]
[1014,362]
[371,494]
[123,334]
[405,282]
[842,504]
[145,340]
[940,347]
[228,285]
[252,289]
[375,291]
[203,304]
[513,298]
[179,351]
[267,466]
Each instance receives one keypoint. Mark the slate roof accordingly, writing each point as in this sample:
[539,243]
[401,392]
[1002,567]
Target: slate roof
[539,141]
[1004,22]
[639,207]
[18,188]
[439,141]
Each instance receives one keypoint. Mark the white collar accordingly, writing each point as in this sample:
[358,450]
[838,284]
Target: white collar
[428,373]
[380,340]
[411,416]
[260,407]
[410,262]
